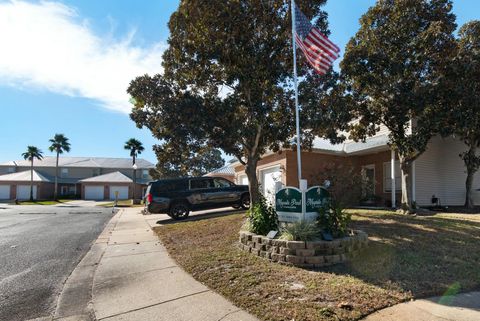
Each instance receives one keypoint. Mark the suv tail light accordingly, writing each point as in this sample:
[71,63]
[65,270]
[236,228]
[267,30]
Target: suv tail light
[149,198]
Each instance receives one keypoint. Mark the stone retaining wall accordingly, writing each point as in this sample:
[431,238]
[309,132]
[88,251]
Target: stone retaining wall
[310,254]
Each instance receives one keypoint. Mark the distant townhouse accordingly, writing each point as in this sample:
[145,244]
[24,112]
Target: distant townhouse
[91,178]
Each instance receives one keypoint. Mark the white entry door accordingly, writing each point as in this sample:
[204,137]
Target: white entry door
[268,178]
[94,193]
[122,192]
[4,192]
[23,192]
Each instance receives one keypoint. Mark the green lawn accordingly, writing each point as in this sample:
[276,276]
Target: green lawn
[122,203]
[44,202]
[408,257]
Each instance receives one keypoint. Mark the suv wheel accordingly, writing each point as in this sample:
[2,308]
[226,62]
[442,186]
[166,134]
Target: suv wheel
[179,211]
[245,201]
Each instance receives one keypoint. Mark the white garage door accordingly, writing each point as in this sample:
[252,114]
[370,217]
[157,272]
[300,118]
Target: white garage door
[23,192]
[268,178]
[94,193]
[122,192]
[4,192]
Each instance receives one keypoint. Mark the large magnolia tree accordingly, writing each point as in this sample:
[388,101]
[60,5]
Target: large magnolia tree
[395,69]
[227,81]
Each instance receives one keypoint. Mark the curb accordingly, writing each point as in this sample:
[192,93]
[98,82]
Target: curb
[75,300]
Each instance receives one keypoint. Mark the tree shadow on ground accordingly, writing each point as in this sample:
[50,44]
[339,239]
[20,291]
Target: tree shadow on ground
[424,256]
[202,216]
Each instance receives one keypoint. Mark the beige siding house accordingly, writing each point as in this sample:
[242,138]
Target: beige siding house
[438,173]
[78,177]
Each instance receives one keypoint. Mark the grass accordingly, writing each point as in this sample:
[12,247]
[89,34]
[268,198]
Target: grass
[408,257]
[121,203]
[43,202]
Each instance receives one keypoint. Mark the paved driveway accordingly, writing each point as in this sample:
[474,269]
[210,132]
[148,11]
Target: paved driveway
[39,248]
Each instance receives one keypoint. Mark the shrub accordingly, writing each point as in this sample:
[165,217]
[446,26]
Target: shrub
[262,217]
[334,219]
[300,231]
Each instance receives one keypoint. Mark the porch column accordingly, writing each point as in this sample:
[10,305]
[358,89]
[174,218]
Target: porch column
[414,184]
[392,176]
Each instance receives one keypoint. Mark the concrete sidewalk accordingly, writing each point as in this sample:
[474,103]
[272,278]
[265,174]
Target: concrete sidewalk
[460,307]
[134,279]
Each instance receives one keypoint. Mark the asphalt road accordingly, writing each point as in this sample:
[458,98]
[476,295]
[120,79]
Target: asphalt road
[39,247]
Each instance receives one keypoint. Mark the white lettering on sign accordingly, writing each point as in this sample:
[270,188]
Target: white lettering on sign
[289,204]
[314,202]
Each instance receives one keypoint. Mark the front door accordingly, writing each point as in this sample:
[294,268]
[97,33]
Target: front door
[368,181]
[268,178]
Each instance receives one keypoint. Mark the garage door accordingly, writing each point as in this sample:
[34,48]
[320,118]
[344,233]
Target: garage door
[4,192]
[94,193]
[23,192]
[268,178]
[122,192]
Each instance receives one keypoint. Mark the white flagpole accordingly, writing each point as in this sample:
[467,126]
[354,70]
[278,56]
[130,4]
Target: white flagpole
[297,118]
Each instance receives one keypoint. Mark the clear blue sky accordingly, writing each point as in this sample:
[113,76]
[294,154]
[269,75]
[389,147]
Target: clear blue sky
[64,68]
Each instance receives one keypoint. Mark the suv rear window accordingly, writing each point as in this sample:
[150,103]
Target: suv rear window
[166,186]
[201,183]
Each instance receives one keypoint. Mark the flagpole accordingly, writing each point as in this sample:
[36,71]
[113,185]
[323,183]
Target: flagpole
[297,117]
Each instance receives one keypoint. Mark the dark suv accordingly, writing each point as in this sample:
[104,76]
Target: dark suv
[177,197]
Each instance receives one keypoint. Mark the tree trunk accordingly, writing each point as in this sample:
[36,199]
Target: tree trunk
[471,169]
[251,171]
[55,191]
[31,182]
[406,171]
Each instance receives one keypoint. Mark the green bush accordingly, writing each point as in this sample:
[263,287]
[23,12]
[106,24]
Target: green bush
[300,231]
[334,219]
[262,217]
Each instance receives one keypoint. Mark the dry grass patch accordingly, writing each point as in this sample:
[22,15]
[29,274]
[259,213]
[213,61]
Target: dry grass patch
[407,257]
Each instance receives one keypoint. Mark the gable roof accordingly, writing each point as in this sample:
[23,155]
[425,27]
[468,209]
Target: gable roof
[115,177]
[89,162]
[225,170]
[24,177]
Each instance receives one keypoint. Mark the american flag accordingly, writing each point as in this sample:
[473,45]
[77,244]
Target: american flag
[317,48]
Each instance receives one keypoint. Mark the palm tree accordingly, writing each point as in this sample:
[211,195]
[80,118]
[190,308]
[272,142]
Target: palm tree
[59,145]
[32,153]
[135,147]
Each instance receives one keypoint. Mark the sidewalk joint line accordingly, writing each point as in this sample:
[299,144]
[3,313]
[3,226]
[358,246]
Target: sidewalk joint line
[121,255]
[229,313]
[140,272]
[155,304]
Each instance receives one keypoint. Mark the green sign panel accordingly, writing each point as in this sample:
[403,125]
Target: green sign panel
[316,197]
[289,200]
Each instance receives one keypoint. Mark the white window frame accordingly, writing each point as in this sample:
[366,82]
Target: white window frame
[387,180]
[64,172]
[144,173]
[11,169]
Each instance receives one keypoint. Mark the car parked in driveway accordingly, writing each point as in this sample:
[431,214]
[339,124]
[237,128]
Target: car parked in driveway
[177,197]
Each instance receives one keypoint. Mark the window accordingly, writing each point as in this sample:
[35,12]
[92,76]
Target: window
[242,180]
[11,169]
[201,183]
[368,180]
[64,172]
[64,190]
[220,182]
[387,177]
[145,173]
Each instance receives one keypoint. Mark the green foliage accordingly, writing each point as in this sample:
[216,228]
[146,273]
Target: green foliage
[263,217]
[185,161]
[300,231]
[334,219]
[32,153]
[395,69]
[135,147]
[59,143]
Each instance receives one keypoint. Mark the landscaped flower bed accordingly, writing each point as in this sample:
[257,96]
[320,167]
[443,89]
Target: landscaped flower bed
[307,254]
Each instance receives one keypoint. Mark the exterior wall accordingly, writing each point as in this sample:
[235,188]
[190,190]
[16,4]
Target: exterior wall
[268,161]
[44,190]
[312,166]
[106,189]
[377,160]
[441,172]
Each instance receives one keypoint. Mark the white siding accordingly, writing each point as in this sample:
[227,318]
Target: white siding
[441,172]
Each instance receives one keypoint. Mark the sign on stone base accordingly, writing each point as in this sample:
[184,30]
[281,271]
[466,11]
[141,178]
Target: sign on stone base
[293,205]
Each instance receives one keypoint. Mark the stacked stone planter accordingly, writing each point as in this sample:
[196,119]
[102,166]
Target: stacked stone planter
[310,254]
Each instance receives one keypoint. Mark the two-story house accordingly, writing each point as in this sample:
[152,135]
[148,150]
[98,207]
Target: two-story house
[94,178]
[437,175]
